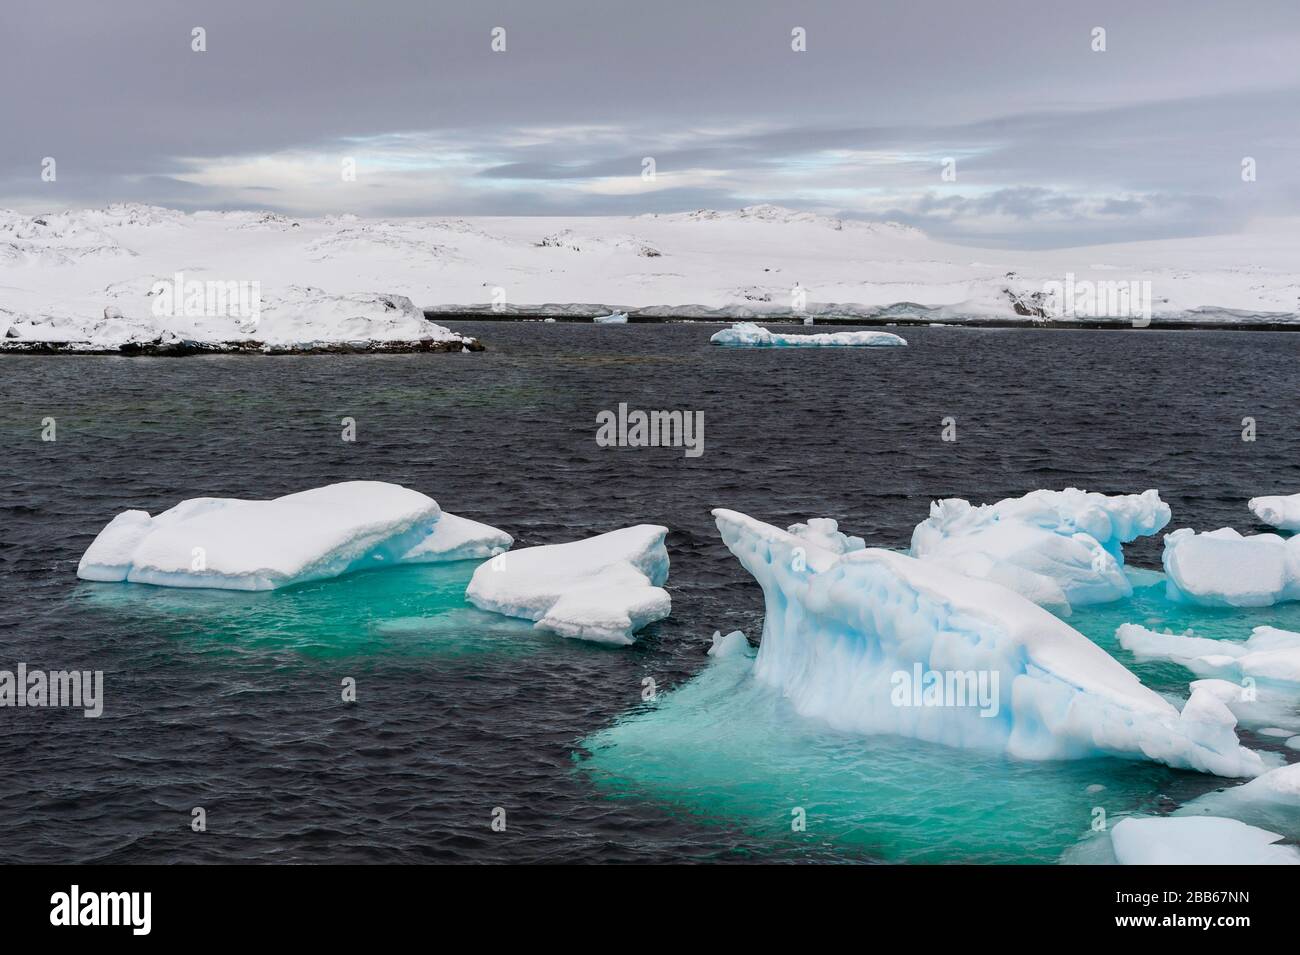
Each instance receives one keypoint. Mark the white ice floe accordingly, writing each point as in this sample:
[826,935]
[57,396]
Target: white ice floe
[1197,840]
[617,318]
[1057,548]
[747,333]
[731,645]
[603,589]
[1269,654]
[234,544]
[1225,569]
[1280,510]
[844,633]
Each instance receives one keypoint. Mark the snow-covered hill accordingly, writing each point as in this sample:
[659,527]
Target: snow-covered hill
[92,276]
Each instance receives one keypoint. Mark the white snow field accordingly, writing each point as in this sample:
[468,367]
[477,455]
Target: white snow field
[233,544]
[1057,548]
[840,628]
[1280,510]
[603,588]
[1269,654]
[747,333]
[1223,568]
[84,277]
[1197,840]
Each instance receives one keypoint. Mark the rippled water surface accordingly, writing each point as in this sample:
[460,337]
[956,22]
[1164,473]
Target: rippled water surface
[232,701]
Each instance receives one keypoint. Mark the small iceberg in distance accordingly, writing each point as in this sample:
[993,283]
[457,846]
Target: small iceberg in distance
[841,627]
[747,333]
[603,589]
[617,318]
[1280,510]
[233,544]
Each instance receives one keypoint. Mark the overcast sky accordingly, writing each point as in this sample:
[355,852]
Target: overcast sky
[1053,143]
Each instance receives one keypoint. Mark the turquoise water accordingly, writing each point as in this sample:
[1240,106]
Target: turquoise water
[413,610]
[725,750]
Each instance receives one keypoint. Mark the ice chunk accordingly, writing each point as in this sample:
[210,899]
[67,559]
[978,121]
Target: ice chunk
[1269,654]
[234,544]
[1197,840]
[1057,548]
[604,588]
[840,629]
[824,532]
[733,644]
[1282,511]
[1224,569]
[618,318]
[459,538]
[747,333]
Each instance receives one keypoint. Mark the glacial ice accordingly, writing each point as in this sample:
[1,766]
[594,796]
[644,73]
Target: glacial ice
[1059,549]
[748,333]
[234,544]
[617,318]
[1280,510]
[603,588]
[1225,569]
[1197,840]
[839,628]
[1269,654]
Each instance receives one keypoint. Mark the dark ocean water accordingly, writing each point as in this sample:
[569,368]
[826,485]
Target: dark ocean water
[232,703]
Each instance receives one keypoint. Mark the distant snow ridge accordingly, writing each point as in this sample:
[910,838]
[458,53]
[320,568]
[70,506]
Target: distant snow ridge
[60,239]
[1269,655]
[747,333]
[603,589]
[839,628]
[232,544]
[1058,548]
[1282,511]
[1223,568]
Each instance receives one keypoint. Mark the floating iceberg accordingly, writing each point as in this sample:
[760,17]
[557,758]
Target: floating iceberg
[617,318]
[1224,569]
[1057,548]
[234,544]
[603,589]
[1282,511]
[1197,840]
[747,333]
[1269,654]
[840,629]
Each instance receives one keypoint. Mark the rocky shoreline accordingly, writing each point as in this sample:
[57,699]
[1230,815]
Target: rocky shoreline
[182,349]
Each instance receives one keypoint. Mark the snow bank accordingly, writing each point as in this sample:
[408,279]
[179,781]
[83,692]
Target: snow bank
[1268,654]
[1197,840]
[233,544]
[747,333]
[1224,569]
[603,589]
[1282,511]
[841,629]
[1057,548]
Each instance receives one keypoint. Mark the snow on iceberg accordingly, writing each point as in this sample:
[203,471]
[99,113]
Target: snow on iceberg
[1057,548]
[1224,569]
[233,544]
[604,588]
[840,629]
[1197,840]
[617,318]
[1282,511]
[1269,654]
[747,333]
